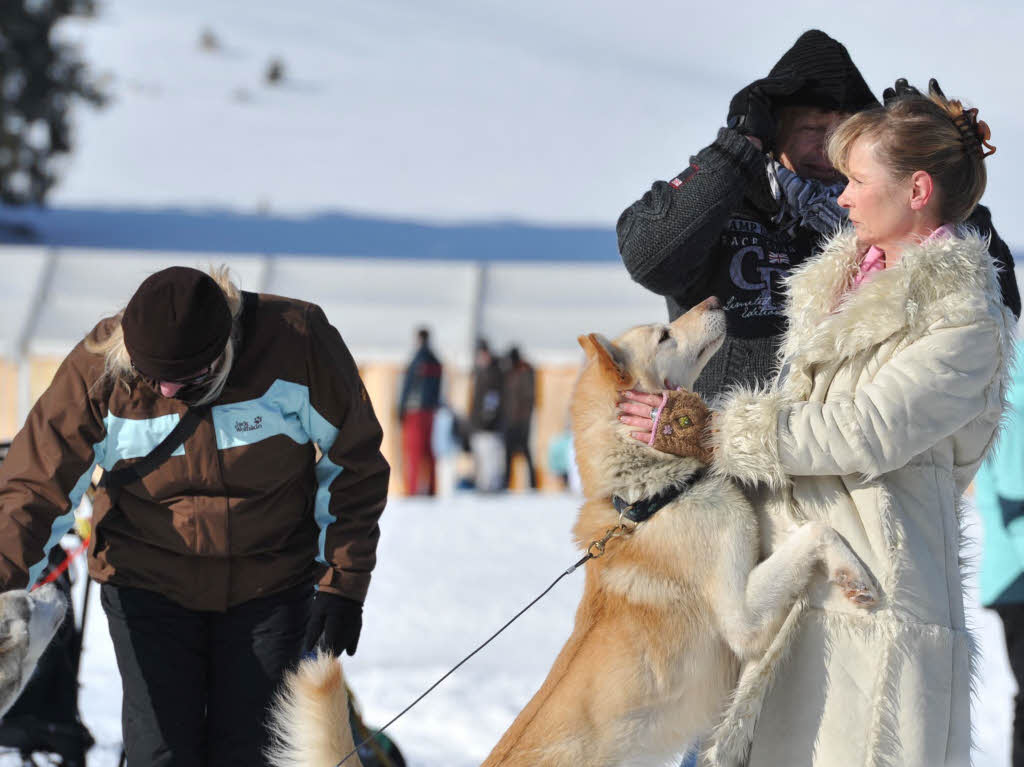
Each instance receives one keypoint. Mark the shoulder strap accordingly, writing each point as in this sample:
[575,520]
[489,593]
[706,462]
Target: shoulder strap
[113,481]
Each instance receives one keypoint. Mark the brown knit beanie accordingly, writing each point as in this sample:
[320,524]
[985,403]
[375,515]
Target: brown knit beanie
[177,323]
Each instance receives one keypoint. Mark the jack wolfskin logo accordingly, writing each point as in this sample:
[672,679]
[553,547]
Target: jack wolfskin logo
[257,423]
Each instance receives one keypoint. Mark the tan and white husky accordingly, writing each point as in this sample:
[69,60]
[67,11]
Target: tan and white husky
[671,611]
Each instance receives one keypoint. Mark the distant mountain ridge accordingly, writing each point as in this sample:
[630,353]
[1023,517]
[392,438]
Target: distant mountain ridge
[326,234]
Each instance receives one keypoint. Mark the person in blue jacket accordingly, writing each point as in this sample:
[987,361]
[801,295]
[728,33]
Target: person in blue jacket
[999,494]
[419,401]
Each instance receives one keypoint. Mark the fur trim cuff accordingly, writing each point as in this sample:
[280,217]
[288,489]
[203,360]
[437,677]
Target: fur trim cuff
[745,437]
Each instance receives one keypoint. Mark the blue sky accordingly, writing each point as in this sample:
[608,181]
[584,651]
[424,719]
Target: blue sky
[455,110]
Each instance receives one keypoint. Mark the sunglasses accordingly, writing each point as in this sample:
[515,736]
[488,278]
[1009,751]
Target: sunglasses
[196,379]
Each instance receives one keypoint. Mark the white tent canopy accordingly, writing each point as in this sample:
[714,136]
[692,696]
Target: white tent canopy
[50,297]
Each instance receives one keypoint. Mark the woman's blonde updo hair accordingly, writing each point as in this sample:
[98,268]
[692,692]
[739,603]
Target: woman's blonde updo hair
[915,132]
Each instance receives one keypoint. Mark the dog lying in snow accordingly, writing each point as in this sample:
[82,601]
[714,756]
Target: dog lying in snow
[672,609]
[28,621]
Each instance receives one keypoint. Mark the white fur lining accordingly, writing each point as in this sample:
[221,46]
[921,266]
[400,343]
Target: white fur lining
[933,279]
[745,437]
[730,742]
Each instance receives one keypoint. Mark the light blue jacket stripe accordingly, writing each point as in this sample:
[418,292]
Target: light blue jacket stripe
[65,522]
[324,434]
[284,409]
[136,437]
[281,410]
[326,472]
[125,438]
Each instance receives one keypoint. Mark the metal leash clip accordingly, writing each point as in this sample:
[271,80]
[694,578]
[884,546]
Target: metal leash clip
[619,531]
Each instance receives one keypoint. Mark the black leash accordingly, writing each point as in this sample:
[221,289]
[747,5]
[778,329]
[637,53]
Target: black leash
[637,513]
[598,546]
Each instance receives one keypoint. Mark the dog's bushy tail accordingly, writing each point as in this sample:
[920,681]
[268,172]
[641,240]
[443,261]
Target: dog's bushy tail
[309,725]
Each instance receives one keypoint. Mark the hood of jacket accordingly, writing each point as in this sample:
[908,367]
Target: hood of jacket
[821,74]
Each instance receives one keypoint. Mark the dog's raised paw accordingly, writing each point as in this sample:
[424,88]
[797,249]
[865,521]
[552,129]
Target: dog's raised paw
[855,589]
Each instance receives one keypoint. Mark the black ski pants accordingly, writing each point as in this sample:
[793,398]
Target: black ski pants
[1012,616]
[517,440]
[197,685]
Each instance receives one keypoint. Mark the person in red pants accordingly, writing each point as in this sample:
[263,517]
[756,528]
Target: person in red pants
[421,396]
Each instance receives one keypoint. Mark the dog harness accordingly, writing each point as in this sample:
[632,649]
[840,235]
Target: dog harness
[645,508]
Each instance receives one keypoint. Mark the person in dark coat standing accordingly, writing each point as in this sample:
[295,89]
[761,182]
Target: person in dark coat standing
[420,399]
[485,413]
[518,399]
[756,203]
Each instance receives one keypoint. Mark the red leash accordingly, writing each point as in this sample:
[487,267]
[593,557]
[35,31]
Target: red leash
[56,572]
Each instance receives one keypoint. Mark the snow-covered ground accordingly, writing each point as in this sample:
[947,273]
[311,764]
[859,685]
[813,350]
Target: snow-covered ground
[450,573]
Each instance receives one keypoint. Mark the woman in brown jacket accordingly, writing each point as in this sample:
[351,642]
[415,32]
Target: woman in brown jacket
[208,561]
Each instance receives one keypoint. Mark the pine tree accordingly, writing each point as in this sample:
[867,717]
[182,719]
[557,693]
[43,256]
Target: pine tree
[40,78]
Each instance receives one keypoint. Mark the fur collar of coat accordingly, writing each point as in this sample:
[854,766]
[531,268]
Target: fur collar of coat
[951,280]
[828,322]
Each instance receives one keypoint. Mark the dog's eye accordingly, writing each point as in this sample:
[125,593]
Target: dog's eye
[665,336]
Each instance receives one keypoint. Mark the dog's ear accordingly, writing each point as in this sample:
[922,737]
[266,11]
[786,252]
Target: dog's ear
[608,357]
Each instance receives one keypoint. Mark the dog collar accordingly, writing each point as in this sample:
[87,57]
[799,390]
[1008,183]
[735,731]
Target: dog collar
[645,508]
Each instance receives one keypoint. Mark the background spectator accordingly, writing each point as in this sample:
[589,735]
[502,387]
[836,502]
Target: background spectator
[519,396]
[420,398]
[999,493]
[485,420]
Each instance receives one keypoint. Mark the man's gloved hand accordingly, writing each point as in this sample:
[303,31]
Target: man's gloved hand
[751,111]
[900,89]
[334,624]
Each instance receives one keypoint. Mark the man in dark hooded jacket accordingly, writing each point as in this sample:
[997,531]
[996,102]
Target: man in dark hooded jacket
[756,203]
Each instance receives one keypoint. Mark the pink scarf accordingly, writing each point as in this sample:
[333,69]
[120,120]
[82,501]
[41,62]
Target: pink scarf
[874,259]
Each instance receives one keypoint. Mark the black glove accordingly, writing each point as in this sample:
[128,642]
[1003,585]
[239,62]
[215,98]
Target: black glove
[752,111]
[334,624]
[902,88]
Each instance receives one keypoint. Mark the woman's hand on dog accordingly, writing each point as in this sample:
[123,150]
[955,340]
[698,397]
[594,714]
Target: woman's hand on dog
[636,410]
[674,422]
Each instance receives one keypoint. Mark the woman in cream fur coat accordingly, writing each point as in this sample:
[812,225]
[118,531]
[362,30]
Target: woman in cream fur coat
[891,387]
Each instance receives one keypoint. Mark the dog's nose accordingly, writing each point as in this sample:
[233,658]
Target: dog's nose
[712,303]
